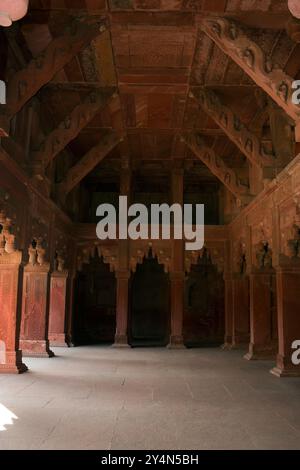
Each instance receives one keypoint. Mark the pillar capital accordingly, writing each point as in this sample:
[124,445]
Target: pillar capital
[60,274]
[37,268]
[288,265]
[254,271]
[123,275]
[177,276]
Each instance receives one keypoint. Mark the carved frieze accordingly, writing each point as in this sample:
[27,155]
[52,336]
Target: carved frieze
[249,144]
[250,57]
[216,165]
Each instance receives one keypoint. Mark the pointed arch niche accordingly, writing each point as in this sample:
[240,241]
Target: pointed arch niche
[149,309]
[94,316]
[203,323]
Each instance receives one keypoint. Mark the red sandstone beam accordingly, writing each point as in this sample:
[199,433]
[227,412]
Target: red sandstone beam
[71,126]
[28,81]
[89,162]
[217,166]
[249,56]
[230,123]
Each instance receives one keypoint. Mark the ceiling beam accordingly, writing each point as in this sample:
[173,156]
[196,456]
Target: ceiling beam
[90,160]
[27,82]
[249,144]
[230,38]
[217,166]
[71,126]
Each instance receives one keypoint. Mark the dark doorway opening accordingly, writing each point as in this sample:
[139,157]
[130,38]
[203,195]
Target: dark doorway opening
[150,305]
[94,320]
[204,316]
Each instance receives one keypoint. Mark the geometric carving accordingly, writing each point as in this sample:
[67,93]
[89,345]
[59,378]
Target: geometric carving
[40,70]
[231,124]
[217,166]
[249,56]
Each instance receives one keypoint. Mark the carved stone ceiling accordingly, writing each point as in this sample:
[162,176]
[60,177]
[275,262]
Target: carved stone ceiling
[155,53]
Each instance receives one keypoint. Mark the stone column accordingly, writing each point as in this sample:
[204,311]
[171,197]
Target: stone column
[10,313]
[228,312]
[241,313]
[177,306]
[35,311]
[121,337]
[123,273]
[57,309]
[177,275]
[288,308]
[261,345]
[71,284]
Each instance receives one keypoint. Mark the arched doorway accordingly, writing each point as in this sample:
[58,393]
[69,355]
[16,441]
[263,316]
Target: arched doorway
[149,319]
[94,319]
[203,323]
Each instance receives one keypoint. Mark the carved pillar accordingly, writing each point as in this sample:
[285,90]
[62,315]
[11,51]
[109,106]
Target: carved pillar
[261,345]
[57,309]
[288,308]
[71,282]
[35,307]
[121,337]
[123,274]
[177,306]
[228,312]
[10,313]
[240,308]
[177,275]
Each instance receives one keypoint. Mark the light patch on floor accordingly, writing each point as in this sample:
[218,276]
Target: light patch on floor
[6,417]
[106,398]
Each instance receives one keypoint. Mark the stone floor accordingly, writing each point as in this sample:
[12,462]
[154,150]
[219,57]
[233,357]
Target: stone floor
[104,398]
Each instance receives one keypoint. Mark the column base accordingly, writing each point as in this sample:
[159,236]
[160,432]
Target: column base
[176,342]
[284,368]
[239,346]
[58,341]
[226,346]
[121,341]
[283,373]
[36,348]
[260,353]
[240,342]
[14,364]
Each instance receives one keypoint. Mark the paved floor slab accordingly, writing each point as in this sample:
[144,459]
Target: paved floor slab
[106,398]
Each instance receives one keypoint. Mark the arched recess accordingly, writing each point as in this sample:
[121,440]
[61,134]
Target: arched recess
[149,300]
[94,316]
[204,316]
